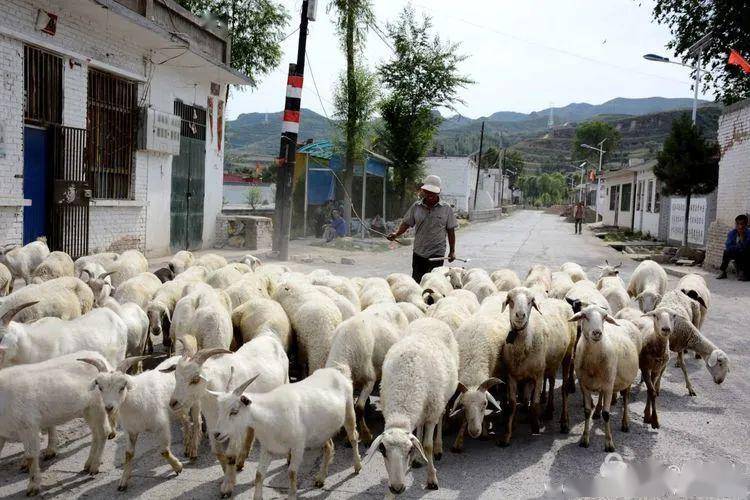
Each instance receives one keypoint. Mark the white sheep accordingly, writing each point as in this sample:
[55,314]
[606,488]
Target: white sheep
[135,320]
[606,362]
[607,271]
[314,317]
[617,298]
[435,286]
[64,298]
[139,289]
[474,273]
[193,273]
[375,290]
[271,274]
[22,261]
[694,286]
[393,313]
[505,279]
[219,370]
[55,265]
[181,261]
[539,278]
[210,261]
[204,314]
[561,285]
[453,310]
[361,343]
[340,285]
[223,277]
[252,261]
[454,275]
[259,315]
[141,403]
[345,306]
[100,261]
[480,342]
[493,306]
[482,287]
[406,290]
[291,418]
[100,330]
[130,263]
[539,342]
[161,307]
[6,280]
[648,284]
[48,394]
[575,271]
[411,311]
[420,374]
[250,286]
[584,293]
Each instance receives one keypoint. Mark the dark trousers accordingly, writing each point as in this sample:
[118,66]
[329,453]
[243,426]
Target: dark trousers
[421,266]
[578,226]
[741,259]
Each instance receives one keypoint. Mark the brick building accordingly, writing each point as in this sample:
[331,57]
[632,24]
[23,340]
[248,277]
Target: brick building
[111,124]
[734,177]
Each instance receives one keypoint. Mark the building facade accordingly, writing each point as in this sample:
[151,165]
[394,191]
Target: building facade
[459,177]
[733,191]
[111,132]
[632,199]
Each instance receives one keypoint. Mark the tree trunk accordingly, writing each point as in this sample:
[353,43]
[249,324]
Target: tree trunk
[687,221]
[351,115]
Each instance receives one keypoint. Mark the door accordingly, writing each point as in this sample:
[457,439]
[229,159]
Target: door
[188,180]
[36,185]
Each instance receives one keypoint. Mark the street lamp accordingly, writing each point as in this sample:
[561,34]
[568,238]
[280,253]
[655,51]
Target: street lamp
[580,189]
[696,48]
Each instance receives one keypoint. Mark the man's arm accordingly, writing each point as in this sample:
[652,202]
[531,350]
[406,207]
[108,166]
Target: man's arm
[731,243]
[451,244]
[401,230]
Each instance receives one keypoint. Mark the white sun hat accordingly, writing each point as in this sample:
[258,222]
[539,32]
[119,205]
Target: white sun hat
[432,184]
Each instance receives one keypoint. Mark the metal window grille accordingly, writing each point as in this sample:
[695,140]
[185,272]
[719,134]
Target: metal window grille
[112,124]
[42,84]
[193,120]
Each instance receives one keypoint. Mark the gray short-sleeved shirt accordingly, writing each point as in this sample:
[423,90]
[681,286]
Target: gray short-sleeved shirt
[430,226]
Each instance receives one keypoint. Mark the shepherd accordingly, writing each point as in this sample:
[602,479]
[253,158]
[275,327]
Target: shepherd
[433,221]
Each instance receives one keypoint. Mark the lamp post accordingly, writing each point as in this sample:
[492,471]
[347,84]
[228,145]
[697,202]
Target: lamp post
[601,151]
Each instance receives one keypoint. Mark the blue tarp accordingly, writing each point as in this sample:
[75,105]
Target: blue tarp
[322,184]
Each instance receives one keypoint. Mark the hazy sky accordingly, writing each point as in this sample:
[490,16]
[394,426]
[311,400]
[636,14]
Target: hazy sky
[524,55]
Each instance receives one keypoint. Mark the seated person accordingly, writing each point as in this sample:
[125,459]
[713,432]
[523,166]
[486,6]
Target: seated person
[737,248]
[377,224]
[336,228]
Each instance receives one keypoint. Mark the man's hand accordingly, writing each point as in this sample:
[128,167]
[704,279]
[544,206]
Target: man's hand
[392,236]
[451,256]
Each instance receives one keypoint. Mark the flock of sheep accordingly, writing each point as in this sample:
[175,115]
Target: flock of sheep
[464,347]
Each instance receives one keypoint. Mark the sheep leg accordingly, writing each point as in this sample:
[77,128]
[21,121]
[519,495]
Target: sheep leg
[606,396]
[512,400]
[350,425]
[458,444]
[439,439]
[229,465]
[688,385]
[191,447]
[646,376]
[625,393]
[549,411]
[564,416]
[571,378]
[535,405]
[263,462]
[427,444]
[588,403]
[598,410]
[543,396]
[31,454]
[166,440]
[2,445]
[247,447]
[98,423]
[296,460]
[127,466]
[320,478]
[52,441]
[364,431]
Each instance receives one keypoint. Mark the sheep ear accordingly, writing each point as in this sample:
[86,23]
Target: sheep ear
[577,317]
[535,306]
[371,450]
[171,267]
[694,295]
[11,313]
[611,320]
[85,276]
[461,388]
[415,442]
[456,403]
[713,358]
[505,303]
[245,400]
[169,369]
[493,401]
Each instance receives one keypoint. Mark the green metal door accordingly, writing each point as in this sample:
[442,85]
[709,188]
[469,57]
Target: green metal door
[188,180]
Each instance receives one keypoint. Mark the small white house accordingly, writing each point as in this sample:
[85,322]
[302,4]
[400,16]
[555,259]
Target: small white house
[459,178]
[631,198]
[112,124]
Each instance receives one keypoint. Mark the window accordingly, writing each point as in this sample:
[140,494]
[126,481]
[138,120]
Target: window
[625,197]
[112,123]
[657,198]
[638,195]
[613,198]
[649,196]
[42,85]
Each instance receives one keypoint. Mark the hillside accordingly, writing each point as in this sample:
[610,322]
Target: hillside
[259,133]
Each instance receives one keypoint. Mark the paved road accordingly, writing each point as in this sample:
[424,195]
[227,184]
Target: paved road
[711,427]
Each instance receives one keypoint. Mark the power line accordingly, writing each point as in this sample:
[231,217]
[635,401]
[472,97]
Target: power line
[379,32]
[320,99]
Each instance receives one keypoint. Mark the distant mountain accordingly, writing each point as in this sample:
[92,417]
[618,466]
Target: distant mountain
[260,133]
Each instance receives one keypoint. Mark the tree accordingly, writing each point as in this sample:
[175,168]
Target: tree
[253,197]
[513,164]
[255,29]
[491,158]
[352,20]
[687,165]
[728,22]
[592,133]
[423,75]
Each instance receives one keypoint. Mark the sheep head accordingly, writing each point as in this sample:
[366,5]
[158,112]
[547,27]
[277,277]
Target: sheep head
[520,301]
[664,320]
[648,300]
[159,321]
[717,364]
[608,270]
[397,445]
[473,403]
[232,411]
[592,319]
[190,381]
[113,386]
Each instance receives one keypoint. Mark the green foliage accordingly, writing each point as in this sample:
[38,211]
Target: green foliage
[352,18]
[687,164]
[422,75]
[544,190]
[513,165]
[253,197]
[592,133]
[728,22]
[255,29]
[358,122]
[491,158]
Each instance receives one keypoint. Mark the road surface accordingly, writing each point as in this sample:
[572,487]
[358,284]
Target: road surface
[710,428]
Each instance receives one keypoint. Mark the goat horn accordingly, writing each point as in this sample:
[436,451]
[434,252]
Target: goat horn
[126,363]
[105,275]
[187,348]
[10,314]
[201,356]
[97,363]
[490,382]
[241,388]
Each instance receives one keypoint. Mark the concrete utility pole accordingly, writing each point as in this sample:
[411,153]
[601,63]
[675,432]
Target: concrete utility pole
[289,131]
[479,164]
